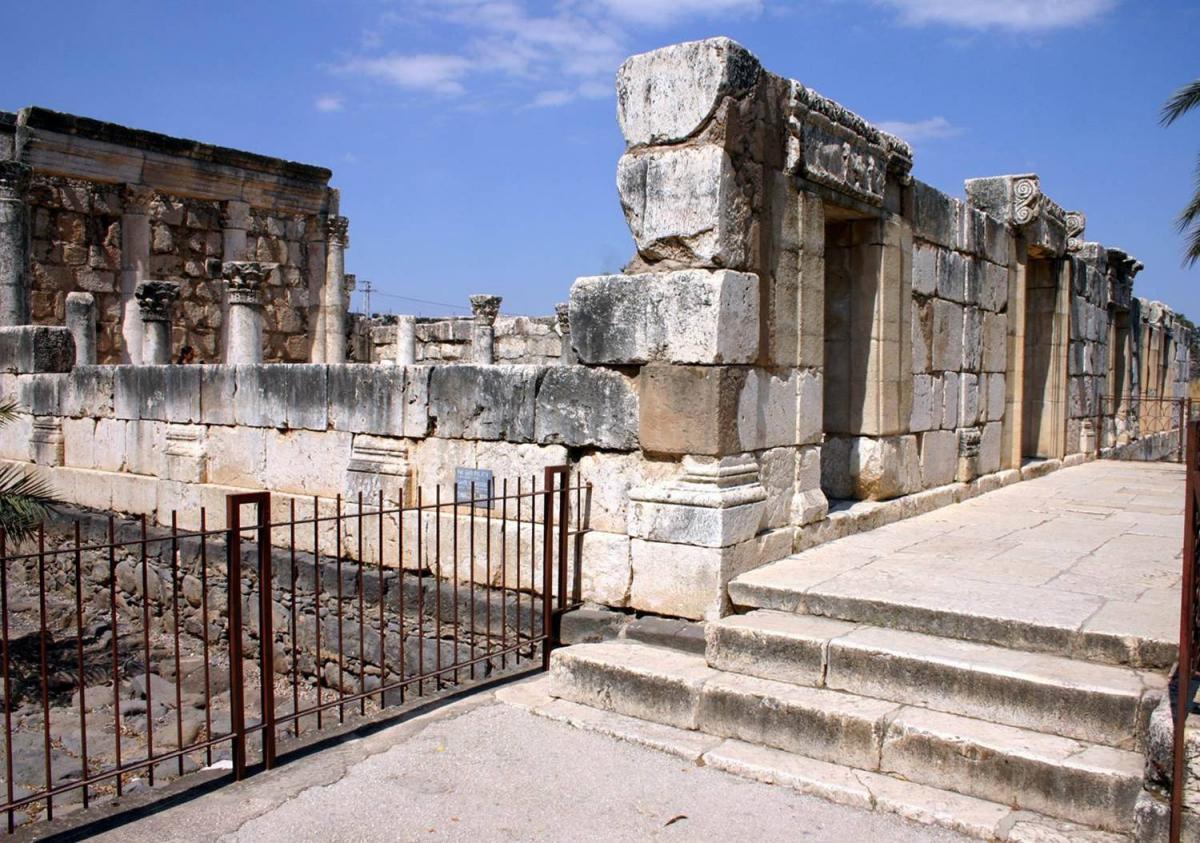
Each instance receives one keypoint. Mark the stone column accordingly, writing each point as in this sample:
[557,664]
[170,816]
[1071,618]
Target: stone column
[154,299]
[14,244]
[243,282]
[135,261]
[235,221]
[562,315]
[483,339]
[337,240]
[81,322]
[406,340]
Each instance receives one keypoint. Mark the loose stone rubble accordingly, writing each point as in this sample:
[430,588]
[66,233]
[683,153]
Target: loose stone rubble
[808,342]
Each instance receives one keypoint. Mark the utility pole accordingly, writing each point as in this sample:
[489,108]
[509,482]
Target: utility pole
[367,287]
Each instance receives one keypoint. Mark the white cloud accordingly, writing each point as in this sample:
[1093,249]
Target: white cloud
[1019,15]
[433,72]
[556,53]
[660,12]
[935,128]
[328,103]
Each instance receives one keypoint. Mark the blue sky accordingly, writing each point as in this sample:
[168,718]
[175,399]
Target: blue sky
[475,141]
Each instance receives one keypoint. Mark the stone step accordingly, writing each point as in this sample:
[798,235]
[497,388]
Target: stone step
[1008,615]
[1104,704]
[1061,777]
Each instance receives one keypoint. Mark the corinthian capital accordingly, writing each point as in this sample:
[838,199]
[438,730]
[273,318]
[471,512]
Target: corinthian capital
[137,198]
[485,308]
[155,298]
[337,230]
[245,279]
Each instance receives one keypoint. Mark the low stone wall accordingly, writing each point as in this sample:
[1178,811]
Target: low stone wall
[530,340]
[1152,448]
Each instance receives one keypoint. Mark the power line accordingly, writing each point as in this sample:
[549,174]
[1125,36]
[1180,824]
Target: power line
[422,301]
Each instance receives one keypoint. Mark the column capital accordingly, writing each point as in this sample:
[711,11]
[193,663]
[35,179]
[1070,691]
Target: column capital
[562,317]
[155,298]
[235,215]
[485,308]
[14,180]
[137,198]
[245,279]
[337,230]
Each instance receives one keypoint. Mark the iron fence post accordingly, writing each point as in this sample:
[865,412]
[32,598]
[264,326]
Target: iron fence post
[1187,623]
[233,577]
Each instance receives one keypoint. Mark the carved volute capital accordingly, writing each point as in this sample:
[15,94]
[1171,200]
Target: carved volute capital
[337,230]
[155,298]
[137,198]
[14,180]
[1076,222]
[244,280]
[485,308]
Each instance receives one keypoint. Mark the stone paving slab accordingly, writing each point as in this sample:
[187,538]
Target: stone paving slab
[1084,561]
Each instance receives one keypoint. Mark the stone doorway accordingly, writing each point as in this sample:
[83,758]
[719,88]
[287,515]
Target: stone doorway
[1042,346]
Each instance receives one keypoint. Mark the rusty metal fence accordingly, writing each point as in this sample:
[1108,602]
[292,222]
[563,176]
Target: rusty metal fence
[1123,421]
[132,655]
[1189,624]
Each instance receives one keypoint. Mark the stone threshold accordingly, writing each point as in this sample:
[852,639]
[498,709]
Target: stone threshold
[861,516]
[844,785]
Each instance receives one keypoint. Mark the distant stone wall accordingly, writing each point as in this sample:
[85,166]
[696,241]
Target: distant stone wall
[519,339]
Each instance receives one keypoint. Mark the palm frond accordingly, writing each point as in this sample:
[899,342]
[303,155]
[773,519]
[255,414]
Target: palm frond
[1181,102]
[1188,224]
[9,410]
[25,501]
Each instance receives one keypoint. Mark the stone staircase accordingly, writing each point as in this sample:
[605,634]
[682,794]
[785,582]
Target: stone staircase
[966,720]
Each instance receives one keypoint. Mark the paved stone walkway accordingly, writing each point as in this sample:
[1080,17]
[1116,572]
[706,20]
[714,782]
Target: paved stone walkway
[1094,550]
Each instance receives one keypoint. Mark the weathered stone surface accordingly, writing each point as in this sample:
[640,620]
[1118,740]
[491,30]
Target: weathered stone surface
[583,407]
[606,571]
[667,95]
[866,468]
[367,398]
[690,409]
[36,348]
[939,458]
[89,392]
[946,352]
[935,215]
[283,396]
[773,645]
[768,406]
[484,402]
[684,205]
[689,316]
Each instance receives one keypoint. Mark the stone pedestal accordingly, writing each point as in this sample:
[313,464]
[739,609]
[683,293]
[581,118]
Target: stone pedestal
[243,283]
[135,262]
[969,439]
[332,303]
[155,299]
[14,244]
[483,339]
[81,322]
[562,316]
[406,340]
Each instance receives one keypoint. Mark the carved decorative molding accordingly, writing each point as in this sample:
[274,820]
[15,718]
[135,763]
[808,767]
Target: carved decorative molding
[14,180]
[1076,222]
[1122,269]
[244,280]
[155,298]
[835,147]
[969,439]
[485,308]
[1029,203]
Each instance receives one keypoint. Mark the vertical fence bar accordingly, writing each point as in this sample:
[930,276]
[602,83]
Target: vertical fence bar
[204,632]
[362,620]
[437,584]
[400,586]
[454,578]
[341,689]
[116,667]
[295,626]
[564,523]
[83,753]
[266,621]
[382,626]
[233,569]
[471,580]
[45,667]
[4,656]
[175,627]
[547,564]
[518,625]
[420,596]
[1187,624]
[504,574]
[318,660]
[146,650]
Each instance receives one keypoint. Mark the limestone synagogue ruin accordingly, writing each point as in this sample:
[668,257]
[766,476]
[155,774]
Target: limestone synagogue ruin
[808,343]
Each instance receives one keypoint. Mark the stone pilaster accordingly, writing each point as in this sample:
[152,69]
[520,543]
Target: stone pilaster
[406,340]
[333,298]
[155,300]
[243,284]
[81,322]
[562,316]
[135,263]
[483,338]
[14,244]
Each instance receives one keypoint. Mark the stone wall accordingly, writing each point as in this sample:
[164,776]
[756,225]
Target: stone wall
[533,340]
[105,207]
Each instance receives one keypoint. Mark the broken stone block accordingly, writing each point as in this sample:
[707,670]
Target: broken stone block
[667,95]
[690,316]
[685,205]
[25,349]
